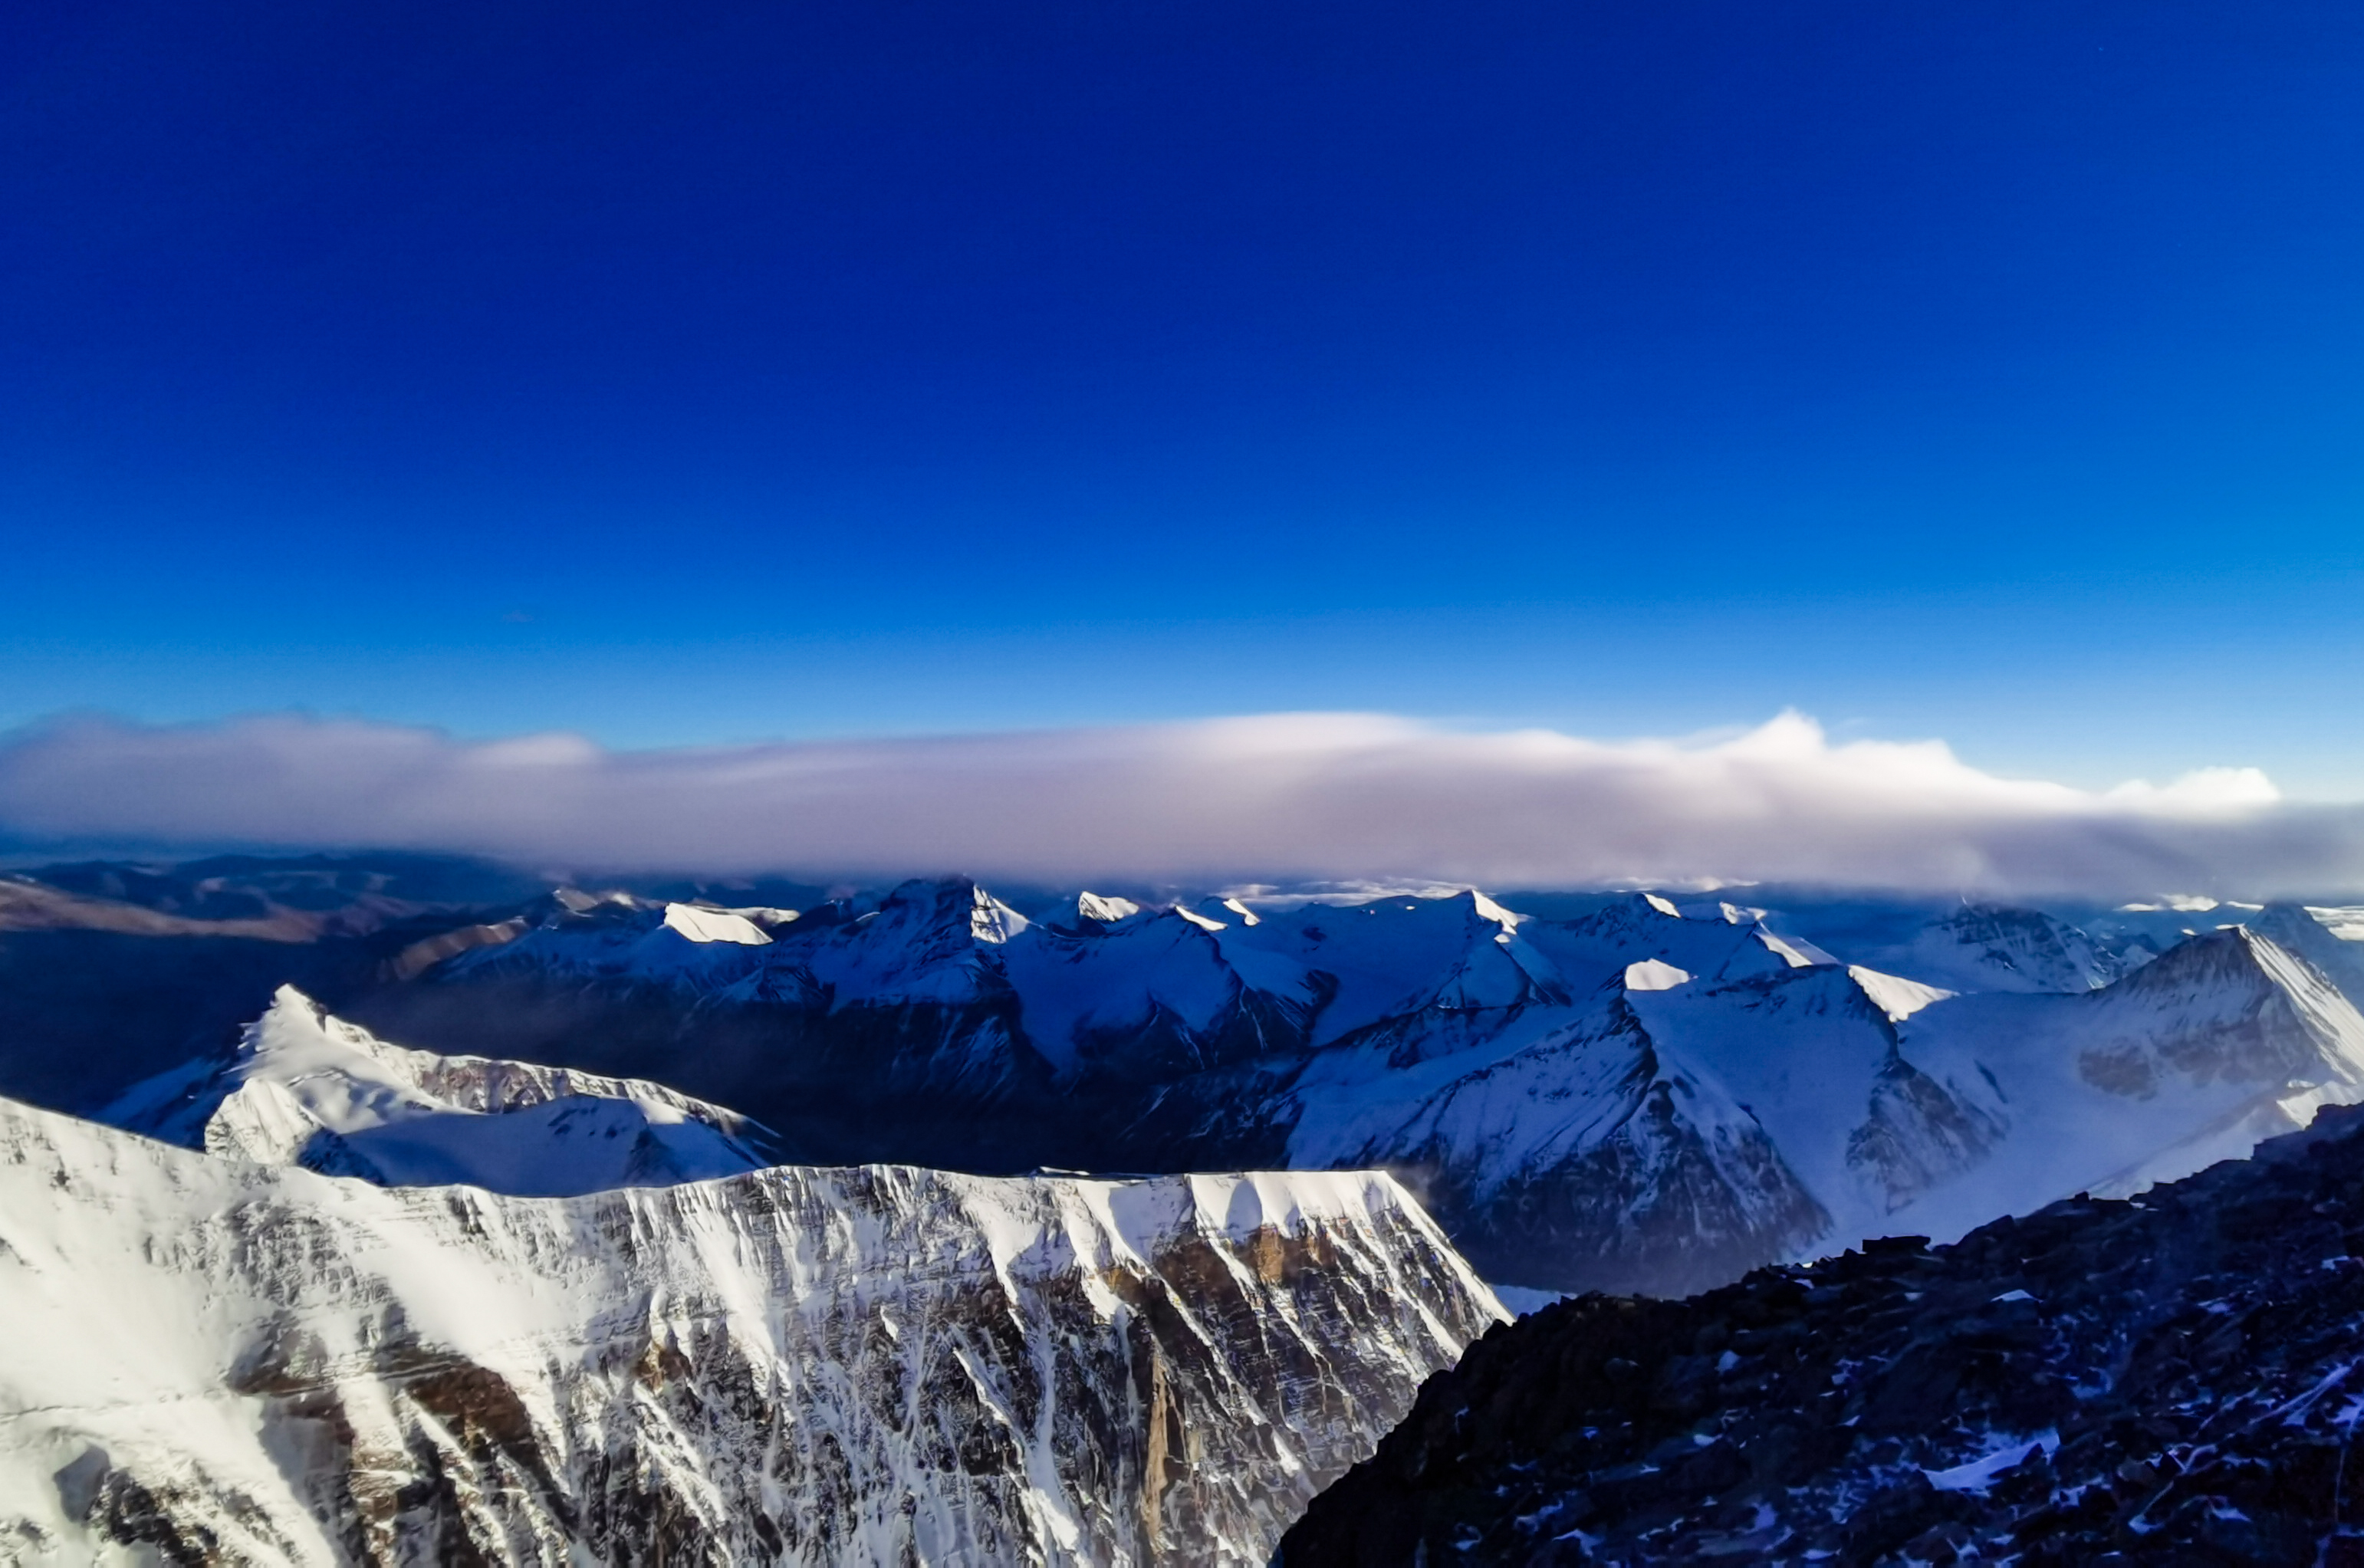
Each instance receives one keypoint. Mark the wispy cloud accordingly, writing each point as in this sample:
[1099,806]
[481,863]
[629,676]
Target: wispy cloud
[1274,797]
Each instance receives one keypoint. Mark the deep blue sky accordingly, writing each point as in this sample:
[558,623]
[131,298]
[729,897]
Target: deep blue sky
[687,372]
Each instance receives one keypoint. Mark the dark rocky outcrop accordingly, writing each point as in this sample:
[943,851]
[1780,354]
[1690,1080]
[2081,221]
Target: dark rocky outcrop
[2174,1379]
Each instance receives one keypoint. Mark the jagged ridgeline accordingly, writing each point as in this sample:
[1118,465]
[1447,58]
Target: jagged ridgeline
[641,1243]
[1605,1091]
[1619,1093]
[221,1358]
[2175,1378]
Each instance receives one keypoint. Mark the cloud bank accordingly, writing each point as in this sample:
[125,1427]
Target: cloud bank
[1276,798]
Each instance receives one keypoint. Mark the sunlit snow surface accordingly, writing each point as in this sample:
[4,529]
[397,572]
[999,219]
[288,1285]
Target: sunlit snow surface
[305,1088]
[856,1365]
[1597,1093]
[714,926]
[1654,975]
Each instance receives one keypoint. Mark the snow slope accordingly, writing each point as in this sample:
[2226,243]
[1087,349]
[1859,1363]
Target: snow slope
[2223,1041]
[1563,1146]
[303,1088]
[1963,946]
[212,1360]
[1663,1136]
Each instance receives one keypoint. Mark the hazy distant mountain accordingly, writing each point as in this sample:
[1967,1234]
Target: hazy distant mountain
[111,970]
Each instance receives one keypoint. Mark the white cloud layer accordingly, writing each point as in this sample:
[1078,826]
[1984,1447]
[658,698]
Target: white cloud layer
[1272,798]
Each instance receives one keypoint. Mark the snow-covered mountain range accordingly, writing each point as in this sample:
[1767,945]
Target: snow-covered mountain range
[224,1357]
[1632,1094]
[1625,1090]
[522,1287]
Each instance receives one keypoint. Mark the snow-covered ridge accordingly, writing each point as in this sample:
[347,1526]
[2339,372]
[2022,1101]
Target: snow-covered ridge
[700,925]
[246,1363]
[302,1088]
[1668,1132]
[1627,1091]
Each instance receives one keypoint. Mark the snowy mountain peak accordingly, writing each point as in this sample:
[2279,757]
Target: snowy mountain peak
[2227,975]
[233,1363]
[2222,1040]
[1898,997]
[305,1088]
[714,926]
[1794,951]
[1720,910]
[947,907]
[1487,909]
[574,901]
[2315,935]
[990,920]
[1654,975]
[1794,1100]
[1104,910]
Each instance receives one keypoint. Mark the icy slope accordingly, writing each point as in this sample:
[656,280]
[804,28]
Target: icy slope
[228,1361]
[1962,946]
[2330,940]
[1668,1133]
[2222,1041]
[303,1088]
[1564,1148]
[1663,1135]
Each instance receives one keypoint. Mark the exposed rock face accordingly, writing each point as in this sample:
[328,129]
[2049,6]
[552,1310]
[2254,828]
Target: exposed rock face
[1565,1145]
[2171,1379]
[225,1362]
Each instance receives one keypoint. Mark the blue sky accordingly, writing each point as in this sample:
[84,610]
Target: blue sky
[711,373]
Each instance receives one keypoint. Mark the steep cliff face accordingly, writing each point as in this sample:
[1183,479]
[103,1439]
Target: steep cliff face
[226,1362]
[2168,1380]
[1561,1145]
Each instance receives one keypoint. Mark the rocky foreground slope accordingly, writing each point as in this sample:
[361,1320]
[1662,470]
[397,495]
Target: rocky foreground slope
[2171,1379]
[208,1359]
